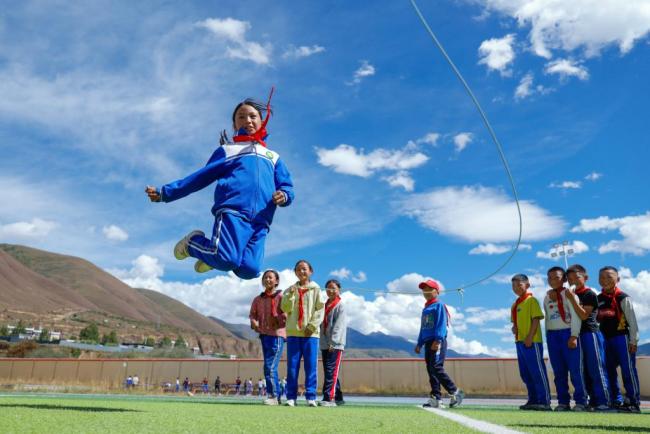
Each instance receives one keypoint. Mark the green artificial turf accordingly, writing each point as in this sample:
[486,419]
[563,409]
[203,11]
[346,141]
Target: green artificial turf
[97,414]
[565,422]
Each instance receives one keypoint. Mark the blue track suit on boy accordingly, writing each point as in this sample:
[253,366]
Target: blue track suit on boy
[247,175]
[433,327]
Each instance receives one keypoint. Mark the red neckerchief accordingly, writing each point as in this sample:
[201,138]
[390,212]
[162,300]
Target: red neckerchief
[581,291]
[519,300]
[329,306]
[560,303]
[435,300]
[613,302]
[301,315]
[274,303]
[259,135]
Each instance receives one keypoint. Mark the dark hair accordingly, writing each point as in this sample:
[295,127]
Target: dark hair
[277,276]
[556,268]
[520,277]
[608,268]
[306,262]
[334,281]
[257,105]
[576,268]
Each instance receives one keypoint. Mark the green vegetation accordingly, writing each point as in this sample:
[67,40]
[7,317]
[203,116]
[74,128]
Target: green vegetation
[150,342]
[110,339]
[155,415]
[20,328]
[180,342]
[90,333]
[166,342]
[44,336]
[565,422]
[4,330]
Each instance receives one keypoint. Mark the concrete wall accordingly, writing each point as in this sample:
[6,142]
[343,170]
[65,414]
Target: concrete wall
[399,376]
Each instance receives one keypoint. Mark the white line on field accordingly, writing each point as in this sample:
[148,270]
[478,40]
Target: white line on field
[478,425]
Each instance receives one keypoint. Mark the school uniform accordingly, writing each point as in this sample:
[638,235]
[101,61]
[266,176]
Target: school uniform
[265,309]
[531,359]
[305,311]
[620,329]
[562,323]
[247,175]
[332,344]
[593,349]
[433,327]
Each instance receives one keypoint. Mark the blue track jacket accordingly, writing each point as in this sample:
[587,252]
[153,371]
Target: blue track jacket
[434,323]
[247,175]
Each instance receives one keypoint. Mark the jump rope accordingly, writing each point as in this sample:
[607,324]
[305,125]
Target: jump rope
[461,289]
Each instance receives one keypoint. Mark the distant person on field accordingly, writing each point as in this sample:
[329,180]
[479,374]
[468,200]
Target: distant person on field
[237,386]
[206,385]
[217,386]
[136,380]
[304,308]
[178,384]
[526,315]
[333,331]
[129,382]
[562,333]
[621,332]
[260,387]
[269,321]
[591,339]
[433,337]
[186,385]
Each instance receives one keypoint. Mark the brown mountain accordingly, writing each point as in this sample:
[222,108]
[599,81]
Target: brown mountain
[37,281]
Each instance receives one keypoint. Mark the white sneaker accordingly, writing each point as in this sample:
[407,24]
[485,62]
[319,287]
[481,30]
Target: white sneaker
[312,403]
[180,249]
[327,404]
[270,401]
[202,267]
[456,398]
[290,403]
[433,403]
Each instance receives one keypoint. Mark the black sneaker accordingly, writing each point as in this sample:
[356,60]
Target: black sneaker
[541,407]
[526,406]
[341,402]
[629,408]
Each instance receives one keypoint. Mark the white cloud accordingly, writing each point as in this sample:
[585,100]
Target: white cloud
[591,25]
[115,233]
[496,249]
[594,176]
[36,228]
[302,51]
[523,90]
[497,54]
[635,231]
[401,179]
[638,288]
[462,140]
[577,247]
[429,138]
[480,316]
[350,161]
[345,274]
[566,185]
[235,31]
[566,68]
[479,214]
[365,70]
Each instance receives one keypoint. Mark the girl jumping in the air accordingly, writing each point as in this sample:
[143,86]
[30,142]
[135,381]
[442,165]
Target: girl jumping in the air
[251,180]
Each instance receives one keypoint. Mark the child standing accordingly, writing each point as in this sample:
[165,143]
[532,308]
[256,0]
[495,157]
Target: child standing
[433,337]
[304,308]
[251,182]
[333,332]
[591,340]
[525,316]
[269,321]
[562,332]
[621,333]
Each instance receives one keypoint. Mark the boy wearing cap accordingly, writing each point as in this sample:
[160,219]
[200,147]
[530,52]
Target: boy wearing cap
[525,316]
[433,337]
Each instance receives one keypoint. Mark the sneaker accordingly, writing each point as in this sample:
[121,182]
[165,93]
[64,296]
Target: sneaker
[327,404]
[180,249]
[562,407]
[290,403]
[629,408]
[312,403]
[579,407]
[456,398]
[341,402]
[604,408]
[202,267]
[526,406]
[433,403]
[271,401]
[541,407]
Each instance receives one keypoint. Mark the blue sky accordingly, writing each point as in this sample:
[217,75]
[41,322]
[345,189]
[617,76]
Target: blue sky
[396,177]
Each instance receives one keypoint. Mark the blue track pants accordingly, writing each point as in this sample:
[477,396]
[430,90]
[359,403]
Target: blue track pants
[617,354]
[596,381]
[272,351]
[533,373]
[565,360]
[297,348]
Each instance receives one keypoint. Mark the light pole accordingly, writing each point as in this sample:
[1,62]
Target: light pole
[562,250]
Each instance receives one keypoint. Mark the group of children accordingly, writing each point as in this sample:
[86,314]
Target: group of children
[589,336]
[298,316]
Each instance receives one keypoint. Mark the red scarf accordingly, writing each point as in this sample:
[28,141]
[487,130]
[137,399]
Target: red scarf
[581,291]
[259,135]
[301,315]
[274,301]
[519,300]
[613,302]
[329,306]
[560,303]
[435,300]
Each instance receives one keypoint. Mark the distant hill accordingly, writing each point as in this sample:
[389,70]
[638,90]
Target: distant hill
[242,331]
[643,350]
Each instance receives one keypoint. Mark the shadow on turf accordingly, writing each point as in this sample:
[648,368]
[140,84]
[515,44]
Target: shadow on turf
[591,427]
[69,407]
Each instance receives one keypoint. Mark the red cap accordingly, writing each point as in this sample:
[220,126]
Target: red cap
[429,284]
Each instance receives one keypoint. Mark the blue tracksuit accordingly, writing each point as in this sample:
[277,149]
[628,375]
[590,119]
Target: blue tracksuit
[247,175]
[298,347]
[533,372]
[564,361]
[272,351]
